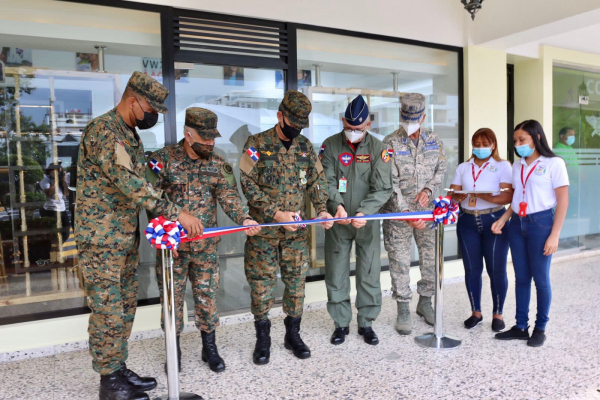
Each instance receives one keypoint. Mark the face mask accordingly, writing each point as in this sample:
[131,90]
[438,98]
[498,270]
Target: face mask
[524,151]
[201,150]
[353,136]
[482,152]
[571,140]
[290,132]
[411,128]
[149,120]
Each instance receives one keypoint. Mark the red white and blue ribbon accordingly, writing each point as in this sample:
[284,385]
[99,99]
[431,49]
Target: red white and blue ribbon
[165,234]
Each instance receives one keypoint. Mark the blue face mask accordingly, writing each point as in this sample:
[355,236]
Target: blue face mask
[524,151]
[482,152]
[570,140]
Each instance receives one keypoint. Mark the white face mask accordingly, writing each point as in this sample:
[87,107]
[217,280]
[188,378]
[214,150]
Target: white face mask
[353,136]
[411,128]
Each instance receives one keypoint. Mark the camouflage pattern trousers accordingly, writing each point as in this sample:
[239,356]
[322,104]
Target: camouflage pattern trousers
[202,268]
[397,237]
[261,258]
[111,285]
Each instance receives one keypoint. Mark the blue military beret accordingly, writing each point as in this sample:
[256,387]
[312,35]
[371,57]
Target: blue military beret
[357,112]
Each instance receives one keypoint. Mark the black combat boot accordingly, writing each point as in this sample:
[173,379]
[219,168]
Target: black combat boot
[136,381]
[262,350]
[115,387]
[178,356]
[210,353]
[292,340]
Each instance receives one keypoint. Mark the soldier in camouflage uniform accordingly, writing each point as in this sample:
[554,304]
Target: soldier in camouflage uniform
[358,170]
[279,169]
[111,188]
[196,178]
[418,171]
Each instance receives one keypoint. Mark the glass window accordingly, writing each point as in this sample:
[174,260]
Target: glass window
[576,138]
[335,69]
[246,101]
[55,84]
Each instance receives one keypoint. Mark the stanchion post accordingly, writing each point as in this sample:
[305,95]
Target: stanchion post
[169,311]
[437,339]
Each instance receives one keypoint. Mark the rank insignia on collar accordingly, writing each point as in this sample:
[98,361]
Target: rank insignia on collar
[126,142]
[303,154]
[268,153]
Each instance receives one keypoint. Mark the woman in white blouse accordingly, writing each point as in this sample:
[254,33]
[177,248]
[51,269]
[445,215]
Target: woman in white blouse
[485,171]
[541,183]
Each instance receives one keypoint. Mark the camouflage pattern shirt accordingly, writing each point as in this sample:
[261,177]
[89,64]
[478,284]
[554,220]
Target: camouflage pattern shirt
[111,186]
[415,167]
[197,185]
[275,179]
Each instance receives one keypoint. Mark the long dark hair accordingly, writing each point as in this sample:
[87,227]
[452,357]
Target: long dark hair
[535,130]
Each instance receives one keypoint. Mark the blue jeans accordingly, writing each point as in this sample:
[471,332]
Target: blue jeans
[477,242]
[527,238]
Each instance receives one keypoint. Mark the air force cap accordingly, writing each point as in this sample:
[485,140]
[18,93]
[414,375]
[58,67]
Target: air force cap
[357,112]
[413,107]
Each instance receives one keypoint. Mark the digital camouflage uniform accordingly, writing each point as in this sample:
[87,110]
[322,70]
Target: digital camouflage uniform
[414,169]
[111,188]
[274,180]
[369,186]
[197,186]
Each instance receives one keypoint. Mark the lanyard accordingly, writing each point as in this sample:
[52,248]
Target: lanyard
[523,183]
[479,173]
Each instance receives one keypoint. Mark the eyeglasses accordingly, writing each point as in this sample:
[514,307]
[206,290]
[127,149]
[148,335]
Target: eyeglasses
[42,262]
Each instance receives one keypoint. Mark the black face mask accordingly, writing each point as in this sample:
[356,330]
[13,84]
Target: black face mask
[150,119]
[288,131]
[202,150]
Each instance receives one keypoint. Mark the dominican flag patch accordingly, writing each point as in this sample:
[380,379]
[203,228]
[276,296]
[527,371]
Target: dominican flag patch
[253,154]
[390,152]
[322,151]
[155,165]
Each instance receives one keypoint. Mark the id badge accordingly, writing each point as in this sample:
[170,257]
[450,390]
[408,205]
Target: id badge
[343,184]
[522,209]
[472,201]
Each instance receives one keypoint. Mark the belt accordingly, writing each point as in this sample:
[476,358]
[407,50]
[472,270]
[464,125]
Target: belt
[482,212]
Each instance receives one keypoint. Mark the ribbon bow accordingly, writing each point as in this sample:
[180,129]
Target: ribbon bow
[165,234]
[446,211]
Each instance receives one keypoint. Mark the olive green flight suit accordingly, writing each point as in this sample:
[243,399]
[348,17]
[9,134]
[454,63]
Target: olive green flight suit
[367,169]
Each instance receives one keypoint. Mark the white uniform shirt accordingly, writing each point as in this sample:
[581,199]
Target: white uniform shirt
[51,203]
[548,174]
[490,178]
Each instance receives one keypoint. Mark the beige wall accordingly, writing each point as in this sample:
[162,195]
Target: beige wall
[485,94]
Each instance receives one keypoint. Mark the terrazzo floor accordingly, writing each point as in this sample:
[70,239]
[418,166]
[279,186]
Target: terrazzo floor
[566,367]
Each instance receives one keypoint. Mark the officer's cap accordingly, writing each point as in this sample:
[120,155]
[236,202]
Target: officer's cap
[203,121]
[152,91]
[295,107]
[413,107]
[357,112]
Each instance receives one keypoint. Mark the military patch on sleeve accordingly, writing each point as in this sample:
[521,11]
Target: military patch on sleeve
[247,163]
[228,174]
[123,158]
[155,166]
[442,149]
[385,156]
[322,152]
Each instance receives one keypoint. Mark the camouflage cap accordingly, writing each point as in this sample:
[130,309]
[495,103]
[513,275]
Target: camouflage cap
[203,121]
[295,107]
[413,106]
[147,87]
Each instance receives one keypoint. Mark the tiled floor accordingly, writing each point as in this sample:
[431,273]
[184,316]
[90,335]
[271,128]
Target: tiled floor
[566,367]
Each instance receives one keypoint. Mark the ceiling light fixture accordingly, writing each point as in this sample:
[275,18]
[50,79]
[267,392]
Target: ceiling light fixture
[472,6]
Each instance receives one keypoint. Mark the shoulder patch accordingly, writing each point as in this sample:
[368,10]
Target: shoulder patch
[385,156]
[155,165]
[228,174]
[123,159]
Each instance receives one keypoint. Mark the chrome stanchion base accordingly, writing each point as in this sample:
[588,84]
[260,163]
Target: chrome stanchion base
[182,396]
[444,342]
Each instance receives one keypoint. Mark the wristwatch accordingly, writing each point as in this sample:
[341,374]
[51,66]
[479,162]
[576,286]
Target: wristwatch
[429,190]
